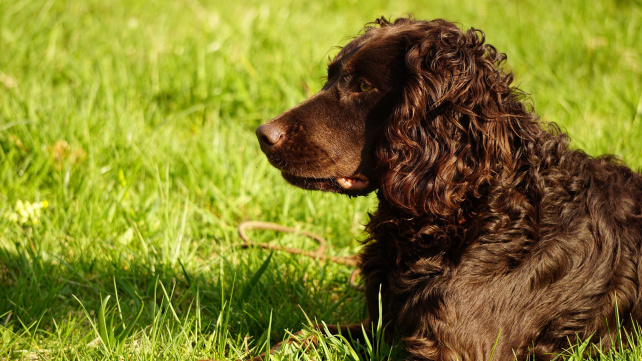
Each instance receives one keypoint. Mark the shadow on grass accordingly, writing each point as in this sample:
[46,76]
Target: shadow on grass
[252,294]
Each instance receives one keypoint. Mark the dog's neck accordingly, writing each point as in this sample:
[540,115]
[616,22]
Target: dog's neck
[425,234]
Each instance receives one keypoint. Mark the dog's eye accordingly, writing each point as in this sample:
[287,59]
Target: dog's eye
[364,87]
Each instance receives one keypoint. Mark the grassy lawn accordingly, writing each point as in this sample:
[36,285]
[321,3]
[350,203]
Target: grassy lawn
[128,159]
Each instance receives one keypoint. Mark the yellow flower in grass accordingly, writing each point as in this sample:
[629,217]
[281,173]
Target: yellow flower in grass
[26,213]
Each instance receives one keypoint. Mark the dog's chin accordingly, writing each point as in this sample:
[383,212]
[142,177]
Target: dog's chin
[355,185]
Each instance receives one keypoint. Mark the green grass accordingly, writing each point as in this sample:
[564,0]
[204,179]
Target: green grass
[133,123]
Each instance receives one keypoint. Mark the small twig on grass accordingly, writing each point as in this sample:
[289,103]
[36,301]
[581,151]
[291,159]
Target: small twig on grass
[319,253]
[6,320]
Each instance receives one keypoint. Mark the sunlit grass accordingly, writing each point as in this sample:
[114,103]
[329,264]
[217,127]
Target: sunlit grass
[128,158]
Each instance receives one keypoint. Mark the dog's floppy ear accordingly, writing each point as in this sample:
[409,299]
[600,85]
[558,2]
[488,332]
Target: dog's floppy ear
[453,126]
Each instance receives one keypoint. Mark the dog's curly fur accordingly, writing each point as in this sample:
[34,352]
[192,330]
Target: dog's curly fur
[489,227]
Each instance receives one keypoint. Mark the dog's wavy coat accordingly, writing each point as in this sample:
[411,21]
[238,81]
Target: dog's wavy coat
[489,226]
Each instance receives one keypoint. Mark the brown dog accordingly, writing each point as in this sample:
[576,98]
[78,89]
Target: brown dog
[490,229]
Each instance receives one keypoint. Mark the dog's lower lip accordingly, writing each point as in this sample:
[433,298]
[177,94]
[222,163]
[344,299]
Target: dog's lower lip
[354,183]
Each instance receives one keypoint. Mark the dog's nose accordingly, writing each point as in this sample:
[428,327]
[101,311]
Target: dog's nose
[269,135]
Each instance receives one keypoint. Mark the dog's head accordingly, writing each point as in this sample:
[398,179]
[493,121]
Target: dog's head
[417,109]
[326,142]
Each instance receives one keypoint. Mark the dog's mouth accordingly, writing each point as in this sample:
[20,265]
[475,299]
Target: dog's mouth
[356,184]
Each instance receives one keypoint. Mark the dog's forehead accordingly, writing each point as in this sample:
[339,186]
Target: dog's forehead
[371,44]
[368,38]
